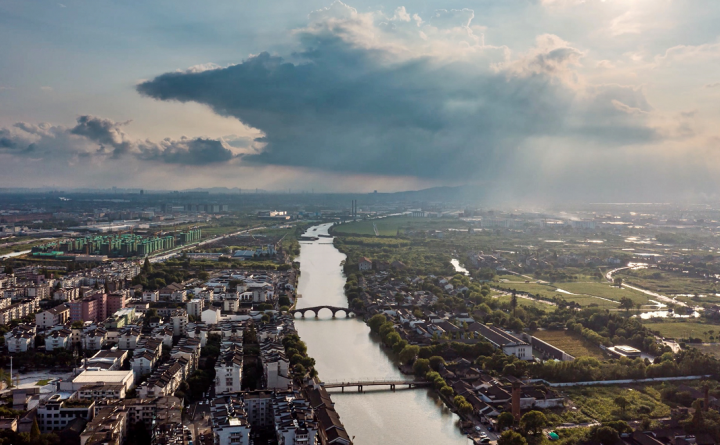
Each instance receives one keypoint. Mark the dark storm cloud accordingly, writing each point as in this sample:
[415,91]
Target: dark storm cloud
[340,104]
[104,138]
[186,151]
[105,132]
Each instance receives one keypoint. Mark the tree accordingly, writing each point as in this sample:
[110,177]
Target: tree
[409,353]
[607,436]
[505,420]
[436,362]
[447,391]
[513,302]
[622,403]
[533,422]
[376,321]
[511,438]
[34,431]
[147,267]
[421,366]
[618,281]
[626,303]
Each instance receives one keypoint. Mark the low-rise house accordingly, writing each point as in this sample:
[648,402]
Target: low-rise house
[58,339]
[59,410]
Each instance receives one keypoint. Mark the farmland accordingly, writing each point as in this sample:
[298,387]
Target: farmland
[598,402]
[570,343]
[684,329]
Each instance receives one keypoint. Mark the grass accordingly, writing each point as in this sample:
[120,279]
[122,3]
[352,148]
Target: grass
[598,403]
[683,329]
[570,343]
[385,226]
[42,382]
[667,282]
[605,290]
[545,307]
[20,247]
[549,291]
[713,350]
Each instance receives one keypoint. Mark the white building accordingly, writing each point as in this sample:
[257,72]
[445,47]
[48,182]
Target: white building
[195,307]
[211,316]
[59,339]
[151,296]
[128,339]
[228,370]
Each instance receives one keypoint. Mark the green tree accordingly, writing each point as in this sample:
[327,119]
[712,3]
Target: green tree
[607,436]
[436,362]
[34,431]
[618,282]
[421,366]
[409,353]
[376,321]
[626,303]
[505,420]
[447,391]
[622,403]
[511,438]
[533,422]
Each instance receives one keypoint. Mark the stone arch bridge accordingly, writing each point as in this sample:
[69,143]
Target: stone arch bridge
[316,310]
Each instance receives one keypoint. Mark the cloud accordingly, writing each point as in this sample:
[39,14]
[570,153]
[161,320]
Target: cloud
[103,139]
[372,94]
[712,85]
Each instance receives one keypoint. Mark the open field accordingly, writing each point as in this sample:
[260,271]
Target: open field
[605,290]
[713,350]
[545,307]
[570,343]
[42,382]
[390,226]
[548,291]
[20,247]
[683,329]
[667,282]
[598,402]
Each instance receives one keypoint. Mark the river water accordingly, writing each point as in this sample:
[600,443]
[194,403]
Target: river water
[344,349]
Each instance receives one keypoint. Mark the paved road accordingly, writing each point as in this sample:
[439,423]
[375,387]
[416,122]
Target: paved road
[609,277]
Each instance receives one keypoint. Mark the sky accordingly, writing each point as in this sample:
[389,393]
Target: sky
[528,100]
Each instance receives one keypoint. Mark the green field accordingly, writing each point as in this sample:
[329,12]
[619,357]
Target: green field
[20,247]
[713,350]
[42,382]
[667,282]
[605,290]
[549,291]
[545,307]
[570,343]
[385,226]
[598,402]
[684,329]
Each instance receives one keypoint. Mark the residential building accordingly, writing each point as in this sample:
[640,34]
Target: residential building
[195,307]
[59,410]
[109,427]
[58,339]
[364,264]
[52,317]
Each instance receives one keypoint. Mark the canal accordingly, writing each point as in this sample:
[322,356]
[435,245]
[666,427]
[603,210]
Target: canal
[344,349]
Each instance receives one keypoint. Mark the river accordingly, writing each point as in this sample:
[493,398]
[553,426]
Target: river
[344,349]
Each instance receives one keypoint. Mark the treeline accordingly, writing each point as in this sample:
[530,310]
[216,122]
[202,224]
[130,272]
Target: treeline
[296,351]
[685,363]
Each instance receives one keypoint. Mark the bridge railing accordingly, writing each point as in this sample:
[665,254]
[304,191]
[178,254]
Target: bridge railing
[370,381]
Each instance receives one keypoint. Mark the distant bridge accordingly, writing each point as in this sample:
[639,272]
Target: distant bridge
[316,310]
[360,384]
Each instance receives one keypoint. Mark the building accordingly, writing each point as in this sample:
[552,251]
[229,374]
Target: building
[230,422]
[85,309]
[90,377]
[128,339]
[52,317]
[179,319]
[102,392]
[58,339]
[115,302]
[21,338]
[364,264]
[228,370]
[195,307]
[510,344]
[111,360]
[60,409]
[151,296]
[211,316]
[108,427]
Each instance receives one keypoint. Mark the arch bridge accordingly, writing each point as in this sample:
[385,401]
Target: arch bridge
[316,310]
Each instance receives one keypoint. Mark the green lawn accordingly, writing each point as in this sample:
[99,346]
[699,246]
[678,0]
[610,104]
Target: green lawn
[570,343]
[683,329]
[713,350]
[598,402]
[42,382]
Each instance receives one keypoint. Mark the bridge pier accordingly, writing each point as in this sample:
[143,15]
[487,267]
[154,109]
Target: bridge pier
[333,314]
[392,388]
[359,388]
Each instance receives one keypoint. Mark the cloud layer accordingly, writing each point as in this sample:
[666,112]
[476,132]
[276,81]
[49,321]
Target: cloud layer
[370,93]
[95,137]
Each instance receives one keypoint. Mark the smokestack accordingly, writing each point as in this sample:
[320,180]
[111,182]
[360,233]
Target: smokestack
[516,401]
